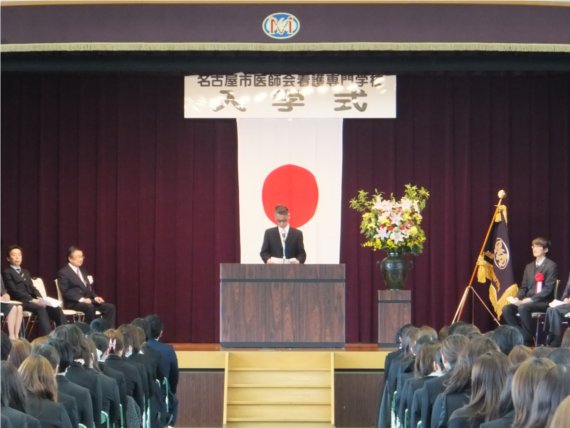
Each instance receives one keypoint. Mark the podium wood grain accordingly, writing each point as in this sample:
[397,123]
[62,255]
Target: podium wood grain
[282,305]
[394,310]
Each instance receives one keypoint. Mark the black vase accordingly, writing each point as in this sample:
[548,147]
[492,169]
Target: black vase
[395,268]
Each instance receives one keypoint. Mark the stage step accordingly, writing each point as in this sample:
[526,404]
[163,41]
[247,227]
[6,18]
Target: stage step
[258,424]
[279,389]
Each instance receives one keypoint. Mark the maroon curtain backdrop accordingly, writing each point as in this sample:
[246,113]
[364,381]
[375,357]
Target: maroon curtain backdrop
[109,163]
[464,138]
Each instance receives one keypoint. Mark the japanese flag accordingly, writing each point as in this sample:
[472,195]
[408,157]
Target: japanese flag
[297,163]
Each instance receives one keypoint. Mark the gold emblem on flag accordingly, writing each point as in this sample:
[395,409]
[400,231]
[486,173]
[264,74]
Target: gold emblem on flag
[501,254]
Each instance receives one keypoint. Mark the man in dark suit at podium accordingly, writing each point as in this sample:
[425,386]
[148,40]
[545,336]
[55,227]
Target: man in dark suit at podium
[283,244]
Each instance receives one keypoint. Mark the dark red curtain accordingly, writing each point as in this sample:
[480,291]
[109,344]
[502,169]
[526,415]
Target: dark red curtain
[464,138]
[109,163]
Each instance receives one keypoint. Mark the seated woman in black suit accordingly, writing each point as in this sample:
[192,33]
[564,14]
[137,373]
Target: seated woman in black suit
[13,313]
[38,378]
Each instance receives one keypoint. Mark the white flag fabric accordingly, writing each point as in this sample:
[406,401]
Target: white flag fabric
[297,163]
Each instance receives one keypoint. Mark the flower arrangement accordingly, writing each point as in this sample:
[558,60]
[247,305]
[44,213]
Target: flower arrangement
[392,225]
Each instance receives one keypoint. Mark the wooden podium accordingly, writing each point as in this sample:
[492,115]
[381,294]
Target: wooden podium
[288,306]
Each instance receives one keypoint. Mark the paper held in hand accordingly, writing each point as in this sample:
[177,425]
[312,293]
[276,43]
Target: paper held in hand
[50,301]
[278,261]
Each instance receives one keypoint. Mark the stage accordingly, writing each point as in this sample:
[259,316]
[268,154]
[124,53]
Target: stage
[284,387]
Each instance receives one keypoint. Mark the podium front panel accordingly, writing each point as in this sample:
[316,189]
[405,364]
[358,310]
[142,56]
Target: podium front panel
[282,305]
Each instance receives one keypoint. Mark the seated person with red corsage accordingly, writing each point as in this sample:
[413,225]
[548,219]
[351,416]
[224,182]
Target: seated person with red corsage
[535,292]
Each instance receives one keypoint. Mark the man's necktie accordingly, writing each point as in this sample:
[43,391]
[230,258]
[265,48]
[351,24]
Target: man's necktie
[20,272]
[78,272]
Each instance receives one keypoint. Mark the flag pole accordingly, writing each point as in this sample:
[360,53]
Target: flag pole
[502,195]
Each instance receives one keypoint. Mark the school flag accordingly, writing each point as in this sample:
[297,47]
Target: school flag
[495,264]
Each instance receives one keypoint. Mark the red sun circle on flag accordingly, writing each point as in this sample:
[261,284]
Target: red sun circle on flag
[295,187]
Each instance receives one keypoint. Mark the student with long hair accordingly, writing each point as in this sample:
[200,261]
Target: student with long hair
[76,371]
[552,389]
[458,386]
[428,365]
[562,415]
[21,349]
[451,348]
[14,398]
[38,378]
[487,380]
[525,381]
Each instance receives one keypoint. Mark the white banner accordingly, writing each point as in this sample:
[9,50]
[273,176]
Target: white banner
[297,163]
[289,96]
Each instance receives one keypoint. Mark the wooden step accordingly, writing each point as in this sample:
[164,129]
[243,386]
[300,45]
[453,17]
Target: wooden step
[261,394]
[277,424]
[262,378]
[276,412]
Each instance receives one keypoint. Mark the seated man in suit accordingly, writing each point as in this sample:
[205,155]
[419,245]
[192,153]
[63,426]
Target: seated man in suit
[283,244]
[555,315]
[18,282]
[77,289]
[535,292]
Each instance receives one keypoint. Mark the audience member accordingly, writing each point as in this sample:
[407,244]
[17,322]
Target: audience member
[551,390]
[84,327]
[111,399]
[566,339]
[541,351]
[68,401]
[38,378]
[77,372]
[535,292]
[152,354]
[13,313]
[487,380]
[116,360]
[560,356]
[168,363]
[21,349]
[516,357]
[14,398]
[525,381]
[519,354]
[19,284]
[562,415]
[465,329]
[101,343]
[451,348]
[81,394]
[6,345]
[39,341]
[99,325]
[77,288]
[428,365]
[458,386]
[506,337]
